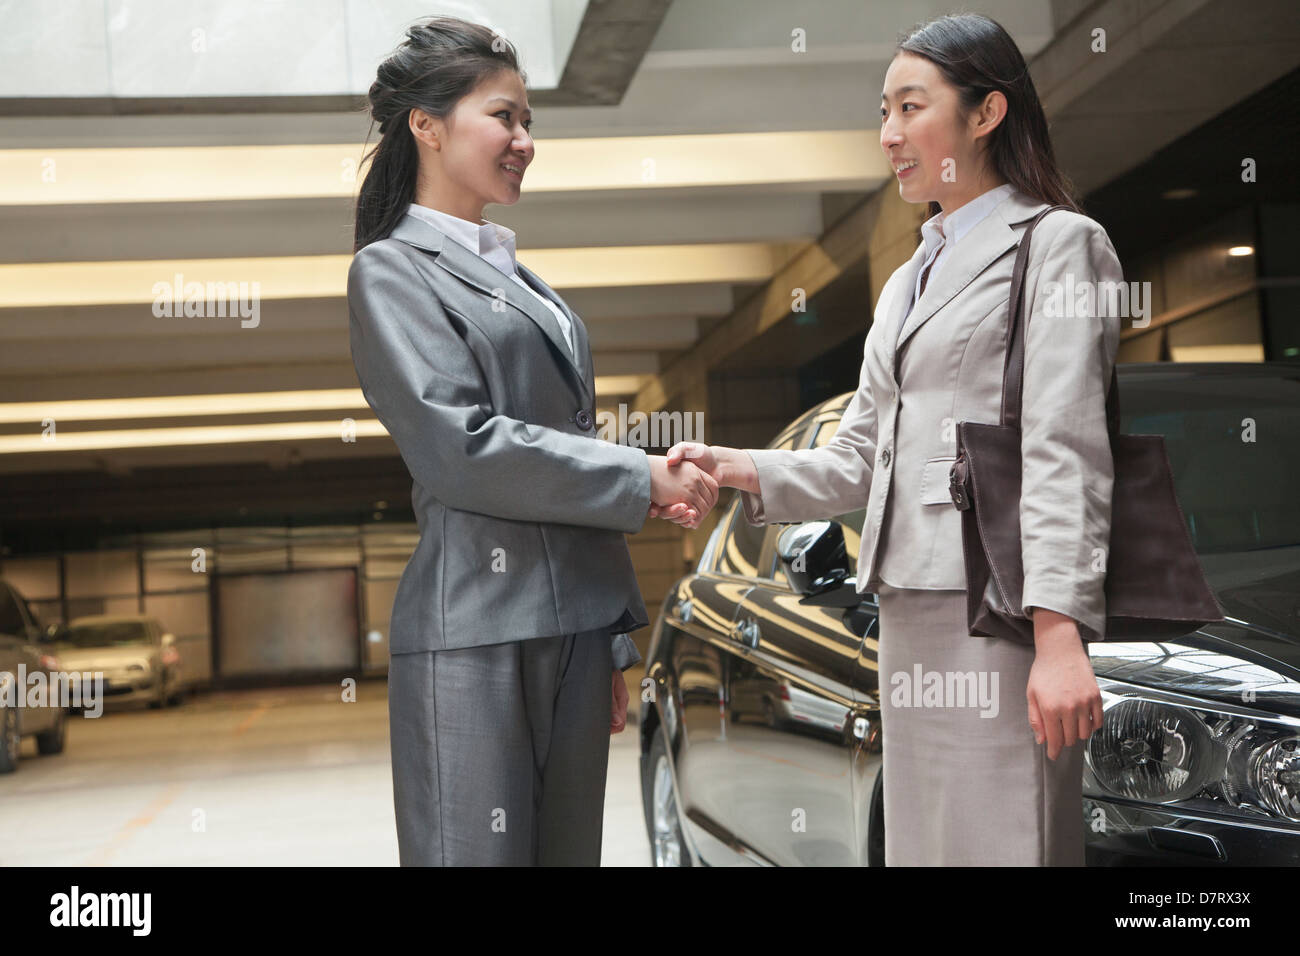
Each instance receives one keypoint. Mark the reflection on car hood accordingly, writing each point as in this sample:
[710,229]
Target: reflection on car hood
[1259,587]
[1251,659]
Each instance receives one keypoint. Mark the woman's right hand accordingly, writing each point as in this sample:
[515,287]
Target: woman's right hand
[700,455]
[730,467]
[685,493]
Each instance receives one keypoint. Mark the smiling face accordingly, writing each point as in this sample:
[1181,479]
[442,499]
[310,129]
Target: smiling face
[934,152]
[477,154]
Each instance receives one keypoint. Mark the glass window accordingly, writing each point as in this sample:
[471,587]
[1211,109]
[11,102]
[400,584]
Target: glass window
[825,432]
[11,619]
[741,546]
[31,616]
[755,546]
[108,634]
[792,440]
[778,569]
[851,525]
[1233,442]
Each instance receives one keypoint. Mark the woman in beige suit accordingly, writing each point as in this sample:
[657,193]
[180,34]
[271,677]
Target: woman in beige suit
[966,783]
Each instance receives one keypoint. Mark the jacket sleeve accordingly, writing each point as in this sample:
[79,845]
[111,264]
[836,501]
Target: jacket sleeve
[425,385]
[1067,472]
[810,483]
[625,652]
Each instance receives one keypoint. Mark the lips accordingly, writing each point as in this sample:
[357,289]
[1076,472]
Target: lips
[513,169]
[904,166]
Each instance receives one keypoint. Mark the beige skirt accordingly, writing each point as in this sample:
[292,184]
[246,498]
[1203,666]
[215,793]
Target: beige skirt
[965,783]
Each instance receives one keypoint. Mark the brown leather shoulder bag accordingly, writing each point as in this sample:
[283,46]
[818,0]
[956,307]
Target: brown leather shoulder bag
[1155,587]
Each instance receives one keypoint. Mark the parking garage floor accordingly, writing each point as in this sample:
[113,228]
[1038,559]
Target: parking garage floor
[270,777]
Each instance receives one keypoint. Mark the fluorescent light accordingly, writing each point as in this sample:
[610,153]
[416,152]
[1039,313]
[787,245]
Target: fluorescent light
[827,159]
[1241,251]
[177,406]
[249,280]
[621,384]
[172,437]
[84,410]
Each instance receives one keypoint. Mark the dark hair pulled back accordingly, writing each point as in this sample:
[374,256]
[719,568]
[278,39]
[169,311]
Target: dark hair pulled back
[441,60]
[977,56]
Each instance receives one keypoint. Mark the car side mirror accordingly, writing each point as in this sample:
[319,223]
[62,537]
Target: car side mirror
[816,563]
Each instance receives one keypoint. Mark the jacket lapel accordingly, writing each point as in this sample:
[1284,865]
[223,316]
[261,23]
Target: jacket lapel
[472,270]
[893,315]
[581,348]
[988,240]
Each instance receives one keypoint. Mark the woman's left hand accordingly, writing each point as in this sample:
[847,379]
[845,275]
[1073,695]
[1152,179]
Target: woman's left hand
[1064,700]
[618,715]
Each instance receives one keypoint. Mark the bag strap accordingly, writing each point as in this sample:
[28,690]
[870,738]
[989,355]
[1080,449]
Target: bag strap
[1013,368]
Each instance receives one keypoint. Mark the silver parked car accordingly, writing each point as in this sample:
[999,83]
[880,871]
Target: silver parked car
[24,651]
[135,653]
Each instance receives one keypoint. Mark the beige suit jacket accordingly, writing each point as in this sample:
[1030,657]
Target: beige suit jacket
[897,440]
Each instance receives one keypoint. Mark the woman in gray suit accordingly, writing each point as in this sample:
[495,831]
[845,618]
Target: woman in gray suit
[514,608]
[966,783]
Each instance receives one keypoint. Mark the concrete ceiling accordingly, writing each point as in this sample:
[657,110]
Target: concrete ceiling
[715,73]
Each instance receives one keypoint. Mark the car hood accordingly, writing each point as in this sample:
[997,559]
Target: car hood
[74,658]
[1251,658]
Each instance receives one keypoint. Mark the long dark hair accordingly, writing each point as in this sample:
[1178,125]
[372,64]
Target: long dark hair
[977,56]
[440,61]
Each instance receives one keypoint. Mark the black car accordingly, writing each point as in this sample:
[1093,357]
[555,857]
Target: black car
[761,742]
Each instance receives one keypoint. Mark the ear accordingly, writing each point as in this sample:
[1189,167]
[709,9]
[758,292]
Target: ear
[425,128]
[989,114]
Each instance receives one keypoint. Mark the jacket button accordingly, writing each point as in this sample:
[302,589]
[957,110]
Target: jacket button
[884,458]
[583,418]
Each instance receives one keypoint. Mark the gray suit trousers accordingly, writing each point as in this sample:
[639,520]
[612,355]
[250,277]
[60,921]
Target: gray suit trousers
[500,751]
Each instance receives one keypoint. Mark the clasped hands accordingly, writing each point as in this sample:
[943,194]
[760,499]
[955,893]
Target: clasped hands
[684,484]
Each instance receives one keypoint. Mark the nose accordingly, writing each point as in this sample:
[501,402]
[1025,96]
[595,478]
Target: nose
[889,134]
[523,145]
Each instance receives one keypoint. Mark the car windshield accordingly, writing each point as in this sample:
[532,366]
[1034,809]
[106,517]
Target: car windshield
[1234,446]
[114,634]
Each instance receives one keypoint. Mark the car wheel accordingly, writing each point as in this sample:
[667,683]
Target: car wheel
[667,842]
[51,741]
[160,701]
[769,716]
[10,741]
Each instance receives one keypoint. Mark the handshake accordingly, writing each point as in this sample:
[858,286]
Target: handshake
[684,484]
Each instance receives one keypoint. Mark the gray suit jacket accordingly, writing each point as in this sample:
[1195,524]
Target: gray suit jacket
[521,508]
[944,366]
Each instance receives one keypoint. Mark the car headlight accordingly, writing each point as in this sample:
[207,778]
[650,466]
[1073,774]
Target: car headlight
[1263,768]
[1159,747]
[1151,751]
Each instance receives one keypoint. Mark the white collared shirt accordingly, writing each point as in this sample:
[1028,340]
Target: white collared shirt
[948,228]
[494,244]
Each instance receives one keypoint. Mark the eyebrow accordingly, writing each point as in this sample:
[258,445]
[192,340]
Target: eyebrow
[910,88]
[510,103]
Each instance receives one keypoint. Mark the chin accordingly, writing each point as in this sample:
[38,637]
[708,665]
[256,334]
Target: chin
[914,193]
